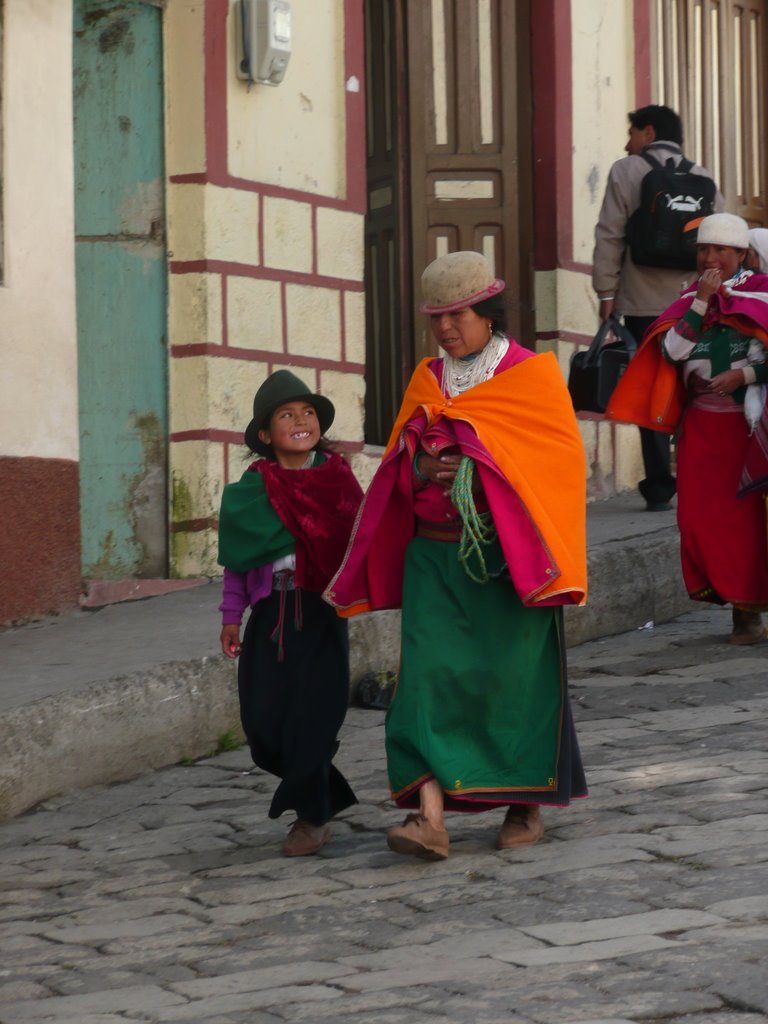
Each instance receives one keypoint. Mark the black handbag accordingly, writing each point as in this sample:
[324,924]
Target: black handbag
[595,373]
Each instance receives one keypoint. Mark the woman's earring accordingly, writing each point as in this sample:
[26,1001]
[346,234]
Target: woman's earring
[490,329]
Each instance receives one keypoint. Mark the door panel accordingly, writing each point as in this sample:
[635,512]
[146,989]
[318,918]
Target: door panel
[470,139]
[388,304]
[121,287]
[710,66]
[449,167]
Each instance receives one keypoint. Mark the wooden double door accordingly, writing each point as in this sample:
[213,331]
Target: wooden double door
[448,168]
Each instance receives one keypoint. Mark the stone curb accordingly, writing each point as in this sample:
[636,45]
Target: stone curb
[631,583]
[113,730]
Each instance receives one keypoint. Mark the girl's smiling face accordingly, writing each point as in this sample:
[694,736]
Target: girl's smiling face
[293,432]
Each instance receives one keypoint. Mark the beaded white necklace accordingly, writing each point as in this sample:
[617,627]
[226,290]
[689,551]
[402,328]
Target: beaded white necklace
[462,374]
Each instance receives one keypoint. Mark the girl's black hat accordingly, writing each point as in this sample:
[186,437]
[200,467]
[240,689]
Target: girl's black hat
[278,389]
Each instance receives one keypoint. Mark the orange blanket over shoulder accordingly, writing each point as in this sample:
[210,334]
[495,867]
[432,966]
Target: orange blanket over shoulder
[531,433]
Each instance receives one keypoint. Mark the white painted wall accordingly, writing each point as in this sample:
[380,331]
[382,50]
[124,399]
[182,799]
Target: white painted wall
[183,31]
[603,93]
[293,135]
[38,338]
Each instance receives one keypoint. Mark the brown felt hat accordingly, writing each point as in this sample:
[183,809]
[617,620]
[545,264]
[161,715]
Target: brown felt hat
[457,280]
[278,389]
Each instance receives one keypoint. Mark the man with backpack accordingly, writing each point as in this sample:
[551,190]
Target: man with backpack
[645,248]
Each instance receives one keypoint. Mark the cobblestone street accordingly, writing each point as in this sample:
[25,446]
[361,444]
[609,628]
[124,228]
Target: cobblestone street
[166,899]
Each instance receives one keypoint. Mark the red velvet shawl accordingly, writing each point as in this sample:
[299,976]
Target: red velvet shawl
[318,507]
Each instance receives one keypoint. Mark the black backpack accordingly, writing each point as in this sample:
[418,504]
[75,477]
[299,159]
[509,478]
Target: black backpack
[670,197]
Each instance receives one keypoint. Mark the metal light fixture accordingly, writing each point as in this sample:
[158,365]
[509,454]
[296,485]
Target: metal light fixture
[263,40]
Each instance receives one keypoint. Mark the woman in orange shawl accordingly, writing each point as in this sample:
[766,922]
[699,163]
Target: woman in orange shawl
[475,524]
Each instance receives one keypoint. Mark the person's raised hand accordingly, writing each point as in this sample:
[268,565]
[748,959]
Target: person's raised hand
[709,283]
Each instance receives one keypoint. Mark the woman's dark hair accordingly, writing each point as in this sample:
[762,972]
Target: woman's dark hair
[664,121]
[496,311]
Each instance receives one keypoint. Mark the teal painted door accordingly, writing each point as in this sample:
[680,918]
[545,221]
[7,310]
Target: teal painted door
[121,287]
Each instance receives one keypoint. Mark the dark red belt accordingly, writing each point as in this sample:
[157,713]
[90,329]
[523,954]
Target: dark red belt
[450,531]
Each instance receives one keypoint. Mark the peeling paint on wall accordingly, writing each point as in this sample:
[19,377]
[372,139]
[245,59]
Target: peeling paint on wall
[115,35]
[592,182]
[108,565]
[148,498]
[142,208]
[182,506]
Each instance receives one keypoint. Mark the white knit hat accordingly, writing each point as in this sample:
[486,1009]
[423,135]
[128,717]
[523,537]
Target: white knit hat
[724,229]
[758,240]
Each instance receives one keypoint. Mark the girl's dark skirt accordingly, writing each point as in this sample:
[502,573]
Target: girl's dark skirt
[292,709]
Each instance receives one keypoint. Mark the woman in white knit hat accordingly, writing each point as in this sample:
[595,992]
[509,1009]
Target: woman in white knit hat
[701,372]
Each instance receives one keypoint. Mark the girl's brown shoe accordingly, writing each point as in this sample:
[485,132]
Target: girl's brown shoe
[305,839]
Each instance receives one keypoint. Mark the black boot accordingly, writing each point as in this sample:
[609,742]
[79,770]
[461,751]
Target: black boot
[747,627]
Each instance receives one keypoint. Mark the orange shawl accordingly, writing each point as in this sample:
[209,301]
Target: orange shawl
[533,437]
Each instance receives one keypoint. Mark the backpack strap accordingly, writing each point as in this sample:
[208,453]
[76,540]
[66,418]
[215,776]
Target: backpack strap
[650,159]
[683,167]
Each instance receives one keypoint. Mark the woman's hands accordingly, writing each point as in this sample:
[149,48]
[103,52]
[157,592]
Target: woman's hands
[440,470]
[443,470]
[230,640]
[725,383]
[709,283]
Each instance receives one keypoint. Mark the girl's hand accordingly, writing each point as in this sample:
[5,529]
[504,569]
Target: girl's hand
[230,641]
[725,383]
[709,283]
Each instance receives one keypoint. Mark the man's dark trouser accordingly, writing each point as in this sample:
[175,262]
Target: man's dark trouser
[659,484]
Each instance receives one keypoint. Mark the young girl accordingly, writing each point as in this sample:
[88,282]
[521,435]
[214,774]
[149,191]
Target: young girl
[283,530]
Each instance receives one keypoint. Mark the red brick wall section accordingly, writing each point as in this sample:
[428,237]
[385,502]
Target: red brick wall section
[643,73]
[39,538]
[552,134]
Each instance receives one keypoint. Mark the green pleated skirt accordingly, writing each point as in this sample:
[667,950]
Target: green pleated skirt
[481,703]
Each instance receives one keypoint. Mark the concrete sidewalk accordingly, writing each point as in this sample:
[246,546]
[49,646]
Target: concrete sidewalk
[98,696]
